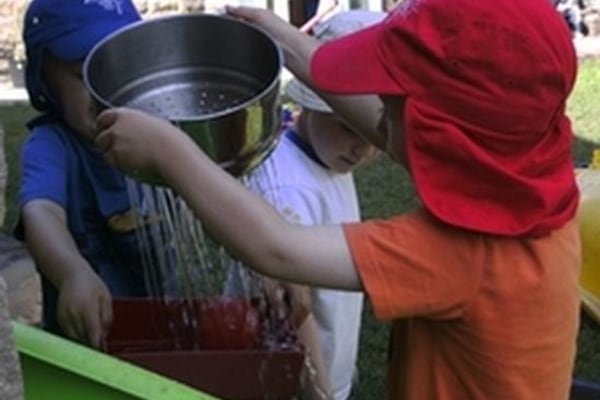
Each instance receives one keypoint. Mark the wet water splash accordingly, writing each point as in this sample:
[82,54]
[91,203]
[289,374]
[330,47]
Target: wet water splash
[181,263]
[195,280]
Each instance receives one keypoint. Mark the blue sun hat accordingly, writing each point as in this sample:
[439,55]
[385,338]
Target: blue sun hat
[67,29]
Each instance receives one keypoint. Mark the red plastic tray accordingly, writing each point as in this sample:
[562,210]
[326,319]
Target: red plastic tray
[218,351]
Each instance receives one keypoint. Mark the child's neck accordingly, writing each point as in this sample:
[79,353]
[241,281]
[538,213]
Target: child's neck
[301,129]
[298,135]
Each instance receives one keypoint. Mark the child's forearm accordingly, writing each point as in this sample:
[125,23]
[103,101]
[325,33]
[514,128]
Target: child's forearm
[252,230]
[361,112]
[317,385]
[50,243]
[83,310]
[234,216]
[249,227]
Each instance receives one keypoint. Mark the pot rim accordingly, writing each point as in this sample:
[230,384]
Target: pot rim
[274,84]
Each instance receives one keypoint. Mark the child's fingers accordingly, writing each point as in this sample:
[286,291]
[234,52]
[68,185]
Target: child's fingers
[106,313]
[104,141]
[236,11]
[106,119]
[241,12]
[93,329]
[74,328]
[70,331]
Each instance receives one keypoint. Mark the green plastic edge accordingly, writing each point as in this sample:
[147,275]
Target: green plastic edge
[101,367]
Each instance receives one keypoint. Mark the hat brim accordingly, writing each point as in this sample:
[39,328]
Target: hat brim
[353,65]
[303,96]
[76,45]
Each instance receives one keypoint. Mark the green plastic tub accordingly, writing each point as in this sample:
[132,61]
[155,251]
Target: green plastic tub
[55,368]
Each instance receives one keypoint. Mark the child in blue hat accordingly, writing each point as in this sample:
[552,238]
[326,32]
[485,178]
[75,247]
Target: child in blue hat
[75,212]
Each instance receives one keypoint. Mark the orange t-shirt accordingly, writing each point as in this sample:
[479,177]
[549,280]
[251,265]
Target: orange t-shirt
[475,316]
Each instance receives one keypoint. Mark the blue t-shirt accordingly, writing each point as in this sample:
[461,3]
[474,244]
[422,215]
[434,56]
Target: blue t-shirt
[60,167]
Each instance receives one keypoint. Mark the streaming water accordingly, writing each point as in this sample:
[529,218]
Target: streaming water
[182,263]
[265,181]
[172,244]
[186,270]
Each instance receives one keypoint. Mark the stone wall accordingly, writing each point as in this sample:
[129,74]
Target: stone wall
[3,176]
[11,384]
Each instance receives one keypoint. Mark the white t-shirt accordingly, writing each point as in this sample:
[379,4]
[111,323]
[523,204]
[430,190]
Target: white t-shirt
[306,192]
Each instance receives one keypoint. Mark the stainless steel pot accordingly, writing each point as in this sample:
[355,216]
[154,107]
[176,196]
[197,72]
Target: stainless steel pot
[216,77]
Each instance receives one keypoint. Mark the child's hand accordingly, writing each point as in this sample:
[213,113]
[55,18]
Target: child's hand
[264,18]
[259,16]
[300,302]
[133,140]
[84,309]
[294,300]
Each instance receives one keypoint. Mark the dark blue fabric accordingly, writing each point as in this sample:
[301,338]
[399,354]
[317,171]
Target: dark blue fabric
[310,8]
[59,167]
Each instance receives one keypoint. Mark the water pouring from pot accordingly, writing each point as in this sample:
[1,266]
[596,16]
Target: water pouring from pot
[215,77]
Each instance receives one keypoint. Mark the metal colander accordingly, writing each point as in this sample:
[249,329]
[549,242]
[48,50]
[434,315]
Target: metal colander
[216,77]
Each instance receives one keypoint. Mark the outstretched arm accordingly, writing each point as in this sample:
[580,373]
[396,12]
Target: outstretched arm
[245,224]
[363,112]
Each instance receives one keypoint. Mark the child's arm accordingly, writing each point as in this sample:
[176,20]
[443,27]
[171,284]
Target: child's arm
[362,112]
[84,309]
[316,383]
[249,227]
[315,380]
